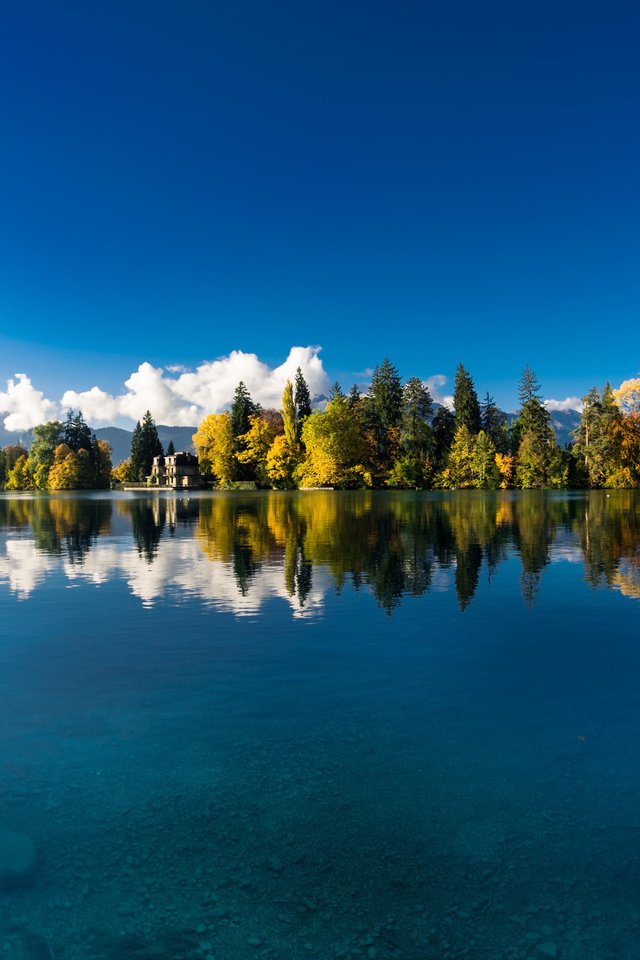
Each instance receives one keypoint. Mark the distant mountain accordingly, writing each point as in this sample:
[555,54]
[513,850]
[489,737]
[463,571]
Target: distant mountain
[119,439]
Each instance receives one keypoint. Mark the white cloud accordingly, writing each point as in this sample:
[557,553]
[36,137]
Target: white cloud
[174,396]
[435,385]
[569,403]
[24,405]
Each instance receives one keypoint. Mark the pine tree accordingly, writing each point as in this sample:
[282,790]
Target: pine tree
[171,449]
[354,396]
[136,452]
[76,433]
[382,411]
[145,445]
[416,415]
[443,432]
[336,391]
[533,415]
[492,420]
[302,399]
[242,409]
[465,402]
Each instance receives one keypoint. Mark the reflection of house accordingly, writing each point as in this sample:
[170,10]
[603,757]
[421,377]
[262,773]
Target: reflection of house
[179,471]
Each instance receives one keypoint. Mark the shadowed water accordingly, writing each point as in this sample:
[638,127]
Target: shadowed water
[321,725]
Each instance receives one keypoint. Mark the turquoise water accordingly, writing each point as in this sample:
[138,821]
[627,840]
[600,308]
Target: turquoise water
[321,725]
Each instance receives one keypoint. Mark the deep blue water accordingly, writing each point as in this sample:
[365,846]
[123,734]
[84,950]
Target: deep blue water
[322,725]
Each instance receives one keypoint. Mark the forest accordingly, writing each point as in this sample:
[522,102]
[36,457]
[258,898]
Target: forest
[391,436]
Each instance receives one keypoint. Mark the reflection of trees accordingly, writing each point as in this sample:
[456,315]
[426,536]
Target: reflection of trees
[151,516]
[59,525]
[393,543]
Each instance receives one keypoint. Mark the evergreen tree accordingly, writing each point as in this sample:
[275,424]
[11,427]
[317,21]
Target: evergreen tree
[171,449]
[302,399]
[354,396]
[465,402]
[533,415]
[485,468]
[242,409]
[382,411]
[336,391]
[460,471]
[76,434]
[493,421]
[443,432]
[417,406]
[145,445]
[136,452]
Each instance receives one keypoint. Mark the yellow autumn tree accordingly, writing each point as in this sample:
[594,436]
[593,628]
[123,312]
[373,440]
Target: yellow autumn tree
[506,465]
[336,448]
[216,448]
[627,396]
[254,447]
[65,470]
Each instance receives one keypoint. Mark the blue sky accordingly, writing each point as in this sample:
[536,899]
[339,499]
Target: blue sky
[432,182]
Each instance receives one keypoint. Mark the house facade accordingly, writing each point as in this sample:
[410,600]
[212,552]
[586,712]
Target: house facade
[177,471]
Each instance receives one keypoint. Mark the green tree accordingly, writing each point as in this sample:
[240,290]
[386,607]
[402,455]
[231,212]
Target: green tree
[289,417]
[46,437]
[494,423]
[485,468]
[171,449]
[415,426]
[145,445]
[354,396]
[302,400]
[76,433]
[382,413]
[443,427]
[242,409]
[336,391]
[460,471]
[532,461]
[533,416]
[465,402]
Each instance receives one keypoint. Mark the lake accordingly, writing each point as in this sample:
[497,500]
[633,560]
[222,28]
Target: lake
[324,725]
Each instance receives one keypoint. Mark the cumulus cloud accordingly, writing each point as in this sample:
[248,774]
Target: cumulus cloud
[173,395]
[569,403]
[435,385]
[24,405]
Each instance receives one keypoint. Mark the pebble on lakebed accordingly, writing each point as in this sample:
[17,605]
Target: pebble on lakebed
[17,859]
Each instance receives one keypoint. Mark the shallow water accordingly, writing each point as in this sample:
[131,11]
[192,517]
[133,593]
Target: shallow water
[322,725]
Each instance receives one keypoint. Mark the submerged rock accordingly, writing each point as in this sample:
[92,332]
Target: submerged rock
[17,859]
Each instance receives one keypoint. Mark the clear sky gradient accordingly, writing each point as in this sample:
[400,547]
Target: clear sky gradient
[432,181]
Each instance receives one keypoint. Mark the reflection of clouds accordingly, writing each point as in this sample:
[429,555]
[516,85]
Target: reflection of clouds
[181,571]
[24,567]
[627,579]
[569,552]
[442,577]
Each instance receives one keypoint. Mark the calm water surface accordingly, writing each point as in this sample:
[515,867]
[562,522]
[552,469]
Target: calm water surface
[321,725]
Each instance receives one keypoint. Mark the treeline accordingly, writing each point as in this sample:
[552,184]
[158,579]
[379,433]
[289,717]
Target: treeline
[391,437]
[63,456]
